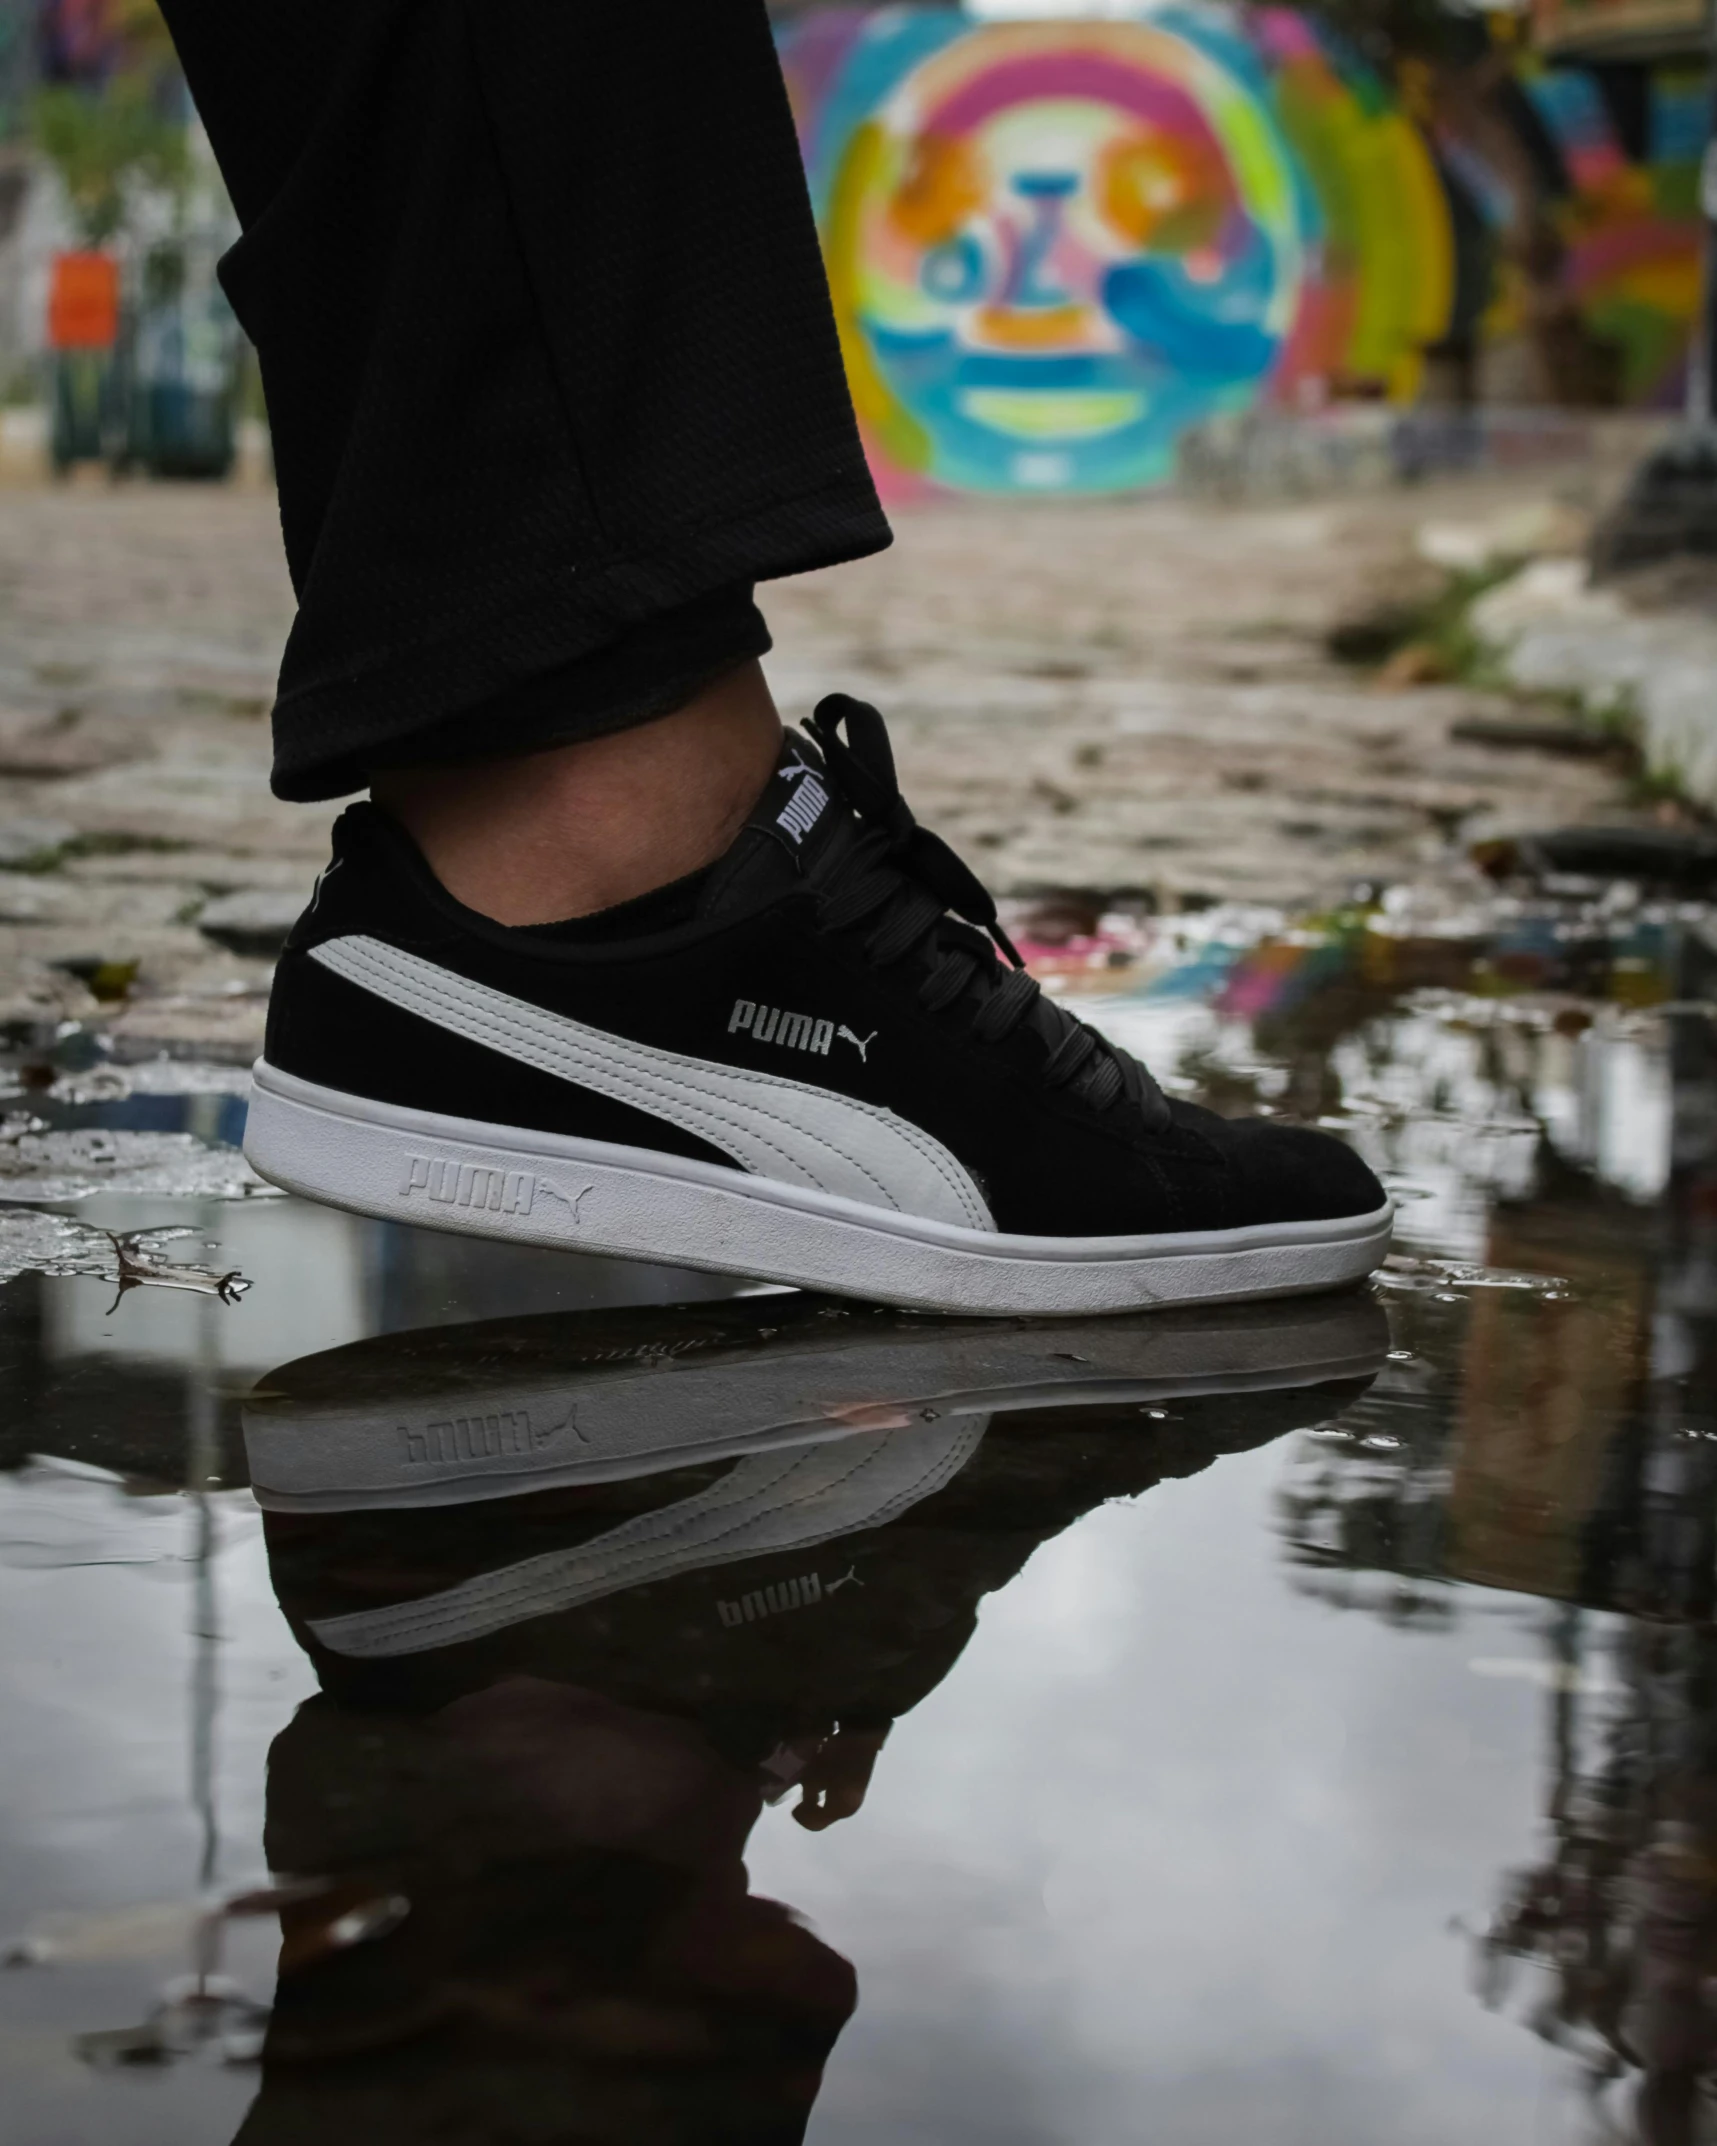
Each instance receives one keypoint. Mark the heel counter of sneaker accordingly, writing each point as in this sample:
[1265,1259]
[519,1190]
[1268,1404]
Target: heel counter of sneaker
[302,1027]
[362,889]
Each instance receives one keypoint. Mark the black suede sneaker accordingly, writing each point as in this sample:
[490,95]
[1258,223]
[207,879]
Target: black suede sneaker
[798,1065]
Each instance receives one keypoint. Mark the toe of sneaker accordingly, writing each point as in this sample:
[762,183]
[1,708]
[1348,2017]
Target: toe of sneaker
[1287,1173]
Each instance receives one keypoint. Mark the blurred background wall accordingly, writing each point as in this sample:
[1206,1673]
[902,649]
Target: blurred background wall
[1061,247]
[1072,249]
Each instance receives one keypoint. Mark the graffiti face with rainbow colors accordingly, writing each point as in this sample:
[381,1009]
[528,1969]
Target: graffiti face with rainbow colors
[1058,250]
[1057,246]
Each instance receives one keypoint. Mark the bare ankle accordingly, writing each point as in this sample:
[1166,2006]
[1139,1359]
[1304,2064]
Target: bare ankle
[545,836]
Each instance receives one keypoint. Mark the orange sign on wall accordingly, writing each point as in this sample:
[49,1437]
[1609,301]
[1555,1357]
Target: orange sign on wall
[83,302]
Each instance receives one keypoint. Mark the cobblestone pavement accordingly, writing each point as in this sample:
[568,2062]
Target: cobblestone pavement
[1128,696]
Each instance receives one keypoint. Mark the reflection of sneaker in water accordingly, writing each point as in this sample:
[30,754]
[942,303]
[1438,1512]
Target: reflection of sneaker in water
[641,1448]
[797,1065]
[501,1408]
[715,1553]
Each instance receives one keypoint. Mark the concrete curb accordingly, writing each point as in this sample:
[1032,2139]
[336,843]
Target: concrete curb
[1653,674]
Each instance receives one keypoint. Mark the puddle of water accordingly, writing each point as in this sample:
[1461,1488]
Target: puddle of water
[480,1694]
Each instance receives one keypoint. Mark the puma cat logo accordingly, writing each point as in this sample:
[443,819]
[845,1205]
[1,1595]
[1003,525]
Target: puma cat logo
[862,1046]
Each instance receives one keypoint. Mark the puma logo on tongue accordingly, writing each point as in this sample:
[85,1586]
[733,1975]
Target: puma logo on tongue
[805,807]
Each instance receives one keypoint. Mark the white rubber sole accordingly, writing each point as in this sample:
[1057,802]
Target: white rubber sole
[587,1196]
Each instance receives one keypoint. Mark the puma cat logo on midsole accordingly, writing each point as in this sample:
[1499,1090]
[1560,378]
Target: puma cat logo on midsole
[474,1185]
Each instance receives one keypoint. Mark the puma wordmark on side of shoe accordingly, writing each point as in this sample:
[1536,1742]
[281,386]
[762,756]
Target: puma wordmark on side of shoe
[810,1063]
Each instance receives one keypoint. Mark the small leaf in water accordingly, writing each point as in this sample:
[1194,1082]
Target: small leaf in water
[140,1266]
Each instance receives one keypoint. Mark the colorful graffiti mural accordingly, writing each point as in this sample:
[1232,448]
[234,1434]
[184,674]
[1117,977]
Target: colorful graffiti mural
[79,40]
[1055,246]
[1630,222]
[1620,215]
[1058,246]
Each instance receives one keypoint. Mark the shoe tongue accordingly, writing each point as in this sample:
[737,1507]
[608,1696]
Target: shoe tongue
[789,827]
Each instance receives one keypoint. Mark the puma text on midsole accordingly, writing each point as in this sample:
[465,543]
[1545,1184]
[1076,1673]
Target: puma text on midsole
[529,1187]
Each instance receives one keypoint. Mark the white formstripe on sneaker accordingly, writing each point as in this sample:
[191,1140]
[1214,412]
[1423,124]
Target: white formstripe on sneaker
[768,1503]
[783,1129]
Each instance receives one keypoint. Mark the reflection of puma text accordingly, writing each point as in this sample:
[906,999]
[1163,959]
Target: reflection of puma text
[461,1439]
[772,1601]
[784,1595]
[861,1045]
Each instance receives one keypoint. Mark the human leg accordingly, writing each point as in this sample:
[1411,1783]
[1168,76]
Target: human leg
[549,358]
[574,829]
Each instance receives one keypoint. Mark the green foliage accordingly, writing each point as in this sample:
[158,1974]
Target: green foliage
[1446,626]
[104,142]
[1440,626]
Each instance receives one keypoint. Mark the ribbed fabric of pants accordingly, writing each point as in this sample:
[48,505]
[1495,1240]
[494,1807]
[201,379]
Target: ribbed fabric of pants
[550,363]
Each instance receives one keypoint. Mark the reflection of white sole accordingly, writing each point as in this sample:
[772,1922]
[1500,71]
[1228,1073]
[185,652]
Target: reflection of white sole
[512,1406]
[588,1196]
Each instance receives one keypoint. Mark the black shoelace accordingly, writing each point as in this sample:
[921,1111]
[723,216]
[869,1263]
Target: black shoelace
[908,880]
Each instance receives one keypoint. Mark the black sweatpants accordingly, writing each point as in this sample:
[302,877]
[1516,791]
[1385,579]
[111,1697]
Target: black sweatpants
[549,357]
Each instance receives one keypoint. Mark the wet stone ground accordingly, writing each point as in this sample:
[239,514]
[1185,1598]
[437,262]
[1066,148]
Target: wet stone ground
[1132,698]
[471,1695]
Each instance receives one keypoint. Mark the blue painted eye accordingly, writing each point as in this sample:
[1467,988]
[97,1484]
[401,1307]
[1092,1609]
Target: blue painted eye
[954,271]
